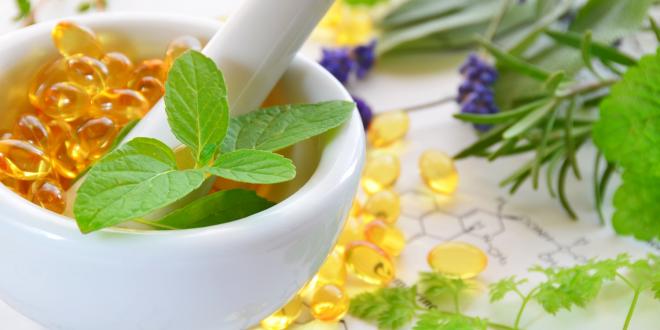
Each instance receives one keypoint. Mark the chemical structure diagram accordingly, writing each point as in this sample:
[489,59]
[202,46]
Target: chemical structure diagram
[422,217]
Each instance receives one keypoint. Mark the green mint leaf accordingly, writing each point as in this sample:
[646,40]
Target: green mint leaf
[437,320]
[253,166]
[217,208]
[281,126]
[501,288]
[196,104]
[123,132]
[129,182]
[391,308]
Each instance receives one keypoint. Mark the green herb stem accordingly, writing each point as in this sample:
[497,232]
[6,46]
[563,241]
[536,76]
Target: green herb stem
[586,88]
[526,299]
[631,310]
[493,325]
[497,19]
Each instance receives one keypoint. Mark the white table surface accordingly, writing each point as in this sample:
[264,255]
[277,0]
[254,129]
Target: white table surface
[516,231]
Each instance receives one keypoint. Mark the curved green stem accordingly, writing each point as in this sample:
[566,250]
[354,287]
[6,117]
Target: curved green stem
[526,299]
[631,310]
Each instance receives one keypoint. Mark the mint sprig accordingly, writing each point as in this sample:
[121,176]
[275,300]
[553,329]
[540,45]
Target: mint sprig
[138,178]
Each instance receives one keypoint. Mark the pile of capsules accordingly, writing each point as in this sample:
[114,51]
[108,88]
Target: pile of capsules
[79,103]
[370,241]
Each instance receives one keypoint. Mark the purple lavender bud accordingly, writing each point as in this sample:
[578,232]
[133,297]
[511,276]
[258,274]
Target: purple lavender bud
[365,57]
[474,93]
[338,62]
[365,111]
[488,77]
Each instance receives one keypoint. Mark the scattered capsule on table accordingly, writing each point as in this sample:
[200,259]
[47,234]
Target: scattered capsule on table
[87,72]
[457,259]
[438,172]
[23,161]
[148,68]
[120,68]
[151,88]
[329,303]
[95,136]
[369,263]
[285,316]
[384,205]
[353,231]
[121,105]
[177,47]
[65,101]
[30,128]
[48,194]
[333,270]
[388,128]
[380,172]
[71,39]
[388,238]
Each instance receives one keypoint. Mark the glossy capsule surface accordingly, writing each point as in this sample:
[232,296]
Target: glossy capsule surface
[369,263]
[438,172]
[177,47]
[380,172]
[333,270]
[151,88]
[285,316]
[120,68]
[87,72]
[23,161]
[121,105]
[353,231]
[457,259]
[72,39]
[95,136]
[65,101]
[388,128]
[48,74]
[384,205]
[329,303]
[387,237]
[31,129]
[148,68]
[48,194]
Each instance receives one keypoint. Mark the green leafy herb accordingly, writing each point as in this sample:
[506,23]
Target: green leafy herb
[365,2]
[24,9]
[140,177]
[436,320]
[196,104]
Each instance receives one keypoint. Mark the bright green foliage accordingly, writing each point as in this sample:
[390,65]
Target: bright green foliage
[645,273]
[24,9]
[278,127]
[220,207]
[436,320]
[130,182]
[611,19]
[196,104]
[364,2]
[390,308]
[501,288]
[435,286]
[253,166]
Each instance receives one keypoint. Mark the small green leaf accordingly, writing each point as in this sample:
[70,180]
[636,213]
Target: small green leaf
[514,63]
[611,19]
[654,27]
[196,104]
[417,10]
[529,121]
[220,207]
[84,7]
[485,141]
[391,308]
[438,320]
[253,166]
[500,117]
[501,288]
[122,133]
[24,9]
[597,49]
[129,182]
[368,3]
[554,80]
[278,127]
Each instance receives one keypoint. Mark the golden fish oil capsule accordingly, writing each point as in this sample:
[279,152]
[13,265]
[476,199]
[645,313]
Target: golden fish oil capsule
[353,231]
[121,105]
[369,263]
[65,101]
[333,271]
[329,303]
[457,259]
[48,75]
[30,128]
[388,238]
[120,68]
[438,172]
[23,161]
[381,172]
[177,47]
[285,316]
[148,68]
[71,39]
[384,205]
[388,128]
[356,208]
[87,72]
[151,88]
[48,194]
[95,136]
[64,165]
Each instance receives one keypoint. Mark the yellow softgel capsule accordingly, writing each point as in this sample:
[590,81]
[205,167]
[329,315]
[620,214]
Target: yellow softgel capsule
[65,101]
[381,171]
[153,68]
[71,39]
[438,172]
[177,47]
[384,205]
[369,263]
[353,231]
[329,303]
[388,238]
[48,75]
[356,208]
[120,105]
[333,271]
[457,259]
[23,161]
[388,128]
[30,128]
[95,137]
[285,316]
[150,87]
[87,72]
[48,194]
[120,68]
